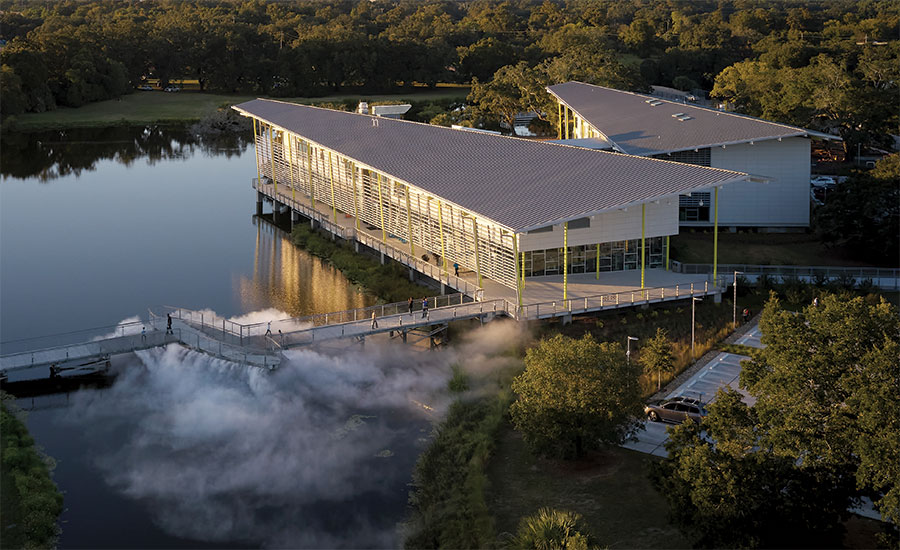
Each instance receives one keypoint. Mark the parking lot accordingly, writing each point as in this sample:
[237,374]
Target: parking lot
[723,370]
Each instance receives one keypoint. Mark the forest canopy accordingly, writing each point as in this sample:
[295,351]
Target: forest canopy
[829,65]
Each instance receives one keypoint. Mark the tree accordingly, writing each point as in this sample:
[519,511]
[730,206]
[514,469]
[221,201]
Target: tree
[863,213]
[656,355]
[550,528]
[823,431]
[726,492]
[575,396]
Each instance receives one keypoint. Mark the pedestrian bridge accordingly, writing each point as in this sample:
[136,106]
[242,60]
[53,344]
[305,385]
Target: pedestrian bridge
[262,344]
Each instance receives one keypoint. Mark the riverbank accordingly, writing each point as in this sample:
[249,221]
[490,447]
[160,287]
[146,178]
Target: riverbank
[30,502]
[142,108]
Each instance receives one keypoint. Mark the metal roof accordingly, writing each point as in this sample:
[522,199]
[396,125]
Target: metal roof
[640,124]
[520,184]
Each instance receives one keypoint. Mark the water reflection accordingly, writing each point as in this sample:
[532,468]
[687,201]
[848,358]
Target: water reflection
[53,154]
[291,280]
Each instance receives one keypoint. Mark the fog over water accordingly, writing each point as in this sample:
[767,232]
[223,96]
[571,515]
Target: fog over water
[307,456]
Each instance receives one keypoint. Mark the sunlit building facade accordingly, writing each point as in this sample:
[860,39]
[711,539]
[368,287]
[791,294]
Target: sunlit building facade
[504,208]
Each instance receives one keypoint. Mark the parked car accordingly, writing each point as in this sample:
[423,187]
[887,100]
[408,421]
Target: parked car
[145,88]
[677,410]
[822,181]
[173,89]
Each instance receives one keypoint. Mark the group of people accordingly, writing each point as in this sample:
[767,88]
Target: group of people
[409,307]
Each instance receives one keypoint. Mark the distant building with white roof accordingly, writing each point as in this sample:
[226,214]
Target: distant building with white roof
[643,125]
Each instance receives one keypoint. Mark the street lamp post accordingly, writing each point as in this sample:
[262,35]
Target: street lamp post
[693,316]
[734,317]
[628,347]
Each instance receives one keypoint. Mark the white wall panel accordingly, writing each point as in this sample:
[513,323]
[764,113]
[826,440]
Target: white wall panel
[783,201]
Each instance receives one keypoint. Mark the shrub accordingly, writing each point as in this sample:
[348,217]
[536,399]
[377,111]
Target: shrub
[553,529]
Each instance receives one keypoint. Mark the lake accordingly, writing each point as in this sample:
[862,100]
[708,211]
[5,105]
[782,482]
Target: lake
[184,450]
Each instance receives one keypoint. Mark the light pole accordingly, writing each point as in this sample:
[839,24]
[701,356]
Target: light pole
[628,348]
[693,316]
[734,317]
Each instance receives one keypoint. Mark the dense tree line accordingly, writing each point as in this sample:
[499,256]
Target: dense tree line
[832,65]
[822,433]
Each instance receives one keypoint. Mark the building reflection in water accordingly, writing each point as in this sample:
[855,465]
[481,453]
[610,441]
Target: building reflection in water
[292,280]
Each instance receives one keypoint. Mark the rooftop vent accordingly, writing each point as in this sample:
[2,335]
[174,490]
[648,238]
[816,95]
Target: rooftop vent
[678,115]
[653,102]
[681,117]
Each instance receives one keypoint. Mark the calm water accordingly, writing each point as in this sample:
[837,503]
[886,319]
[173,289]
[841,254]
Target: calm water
[186,451]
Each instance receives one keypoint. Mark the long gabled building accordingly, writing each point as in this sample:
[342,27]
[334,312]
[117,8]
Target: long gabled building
[643,125]
[504,207]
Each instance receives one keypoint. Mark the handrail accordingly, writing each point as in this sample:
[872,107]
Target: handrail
[617,299]
[349,233]
[810,270]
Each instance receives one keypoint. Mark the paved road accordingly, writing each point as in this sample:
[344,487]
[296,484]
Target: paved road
[723,370]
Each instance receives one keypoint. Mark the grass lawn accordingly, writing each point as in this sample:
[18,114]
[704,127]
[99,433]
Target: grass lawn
[610,489]
[757,248]
[150,107]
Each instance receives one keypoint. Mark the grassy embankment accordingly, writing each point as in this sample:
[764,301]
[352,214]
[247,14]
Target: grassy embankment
[389,282]
[142,108]
[30,502]
[758,249]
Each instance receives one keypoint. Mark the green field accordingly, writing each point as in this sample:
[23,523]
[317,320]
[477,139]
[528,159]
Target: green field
[153,107]
[758,248]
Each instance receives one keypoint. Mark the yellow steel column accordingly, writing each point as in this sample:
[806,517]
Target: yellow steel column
[381,210]
[520,283]
[716,235]
[441,230]
[559,121]
[355,200]
[597,265]
[643,242]
[312,191]
[412,247]
[257,151]
[667,252]
[477,253]
[566,111]
[523,270]
[272,155]
[291,166]
[333,202]
[565,260]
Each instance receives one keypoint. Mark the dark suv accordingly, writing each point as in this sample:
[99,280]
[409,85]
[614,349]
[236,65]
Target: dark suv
[677,409]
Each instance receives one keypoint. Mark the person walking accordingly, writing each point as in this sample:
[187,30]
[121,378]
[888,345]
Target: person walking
[374,321]
[143,334]
[281,337]
[424,308]
[409,304]
[456,269]
[169,323]
[269,328]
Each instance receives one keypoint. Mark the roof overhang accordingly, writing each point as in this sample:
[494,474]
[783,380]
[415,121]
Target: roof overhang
[667,196]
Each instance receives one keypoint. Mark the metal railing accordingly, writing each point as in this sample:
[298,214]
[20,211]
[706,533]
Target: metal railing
[268,189]
[426,268]
[612,300]
[64,339]
[400,321]
[881,276]
[85,350]
[254,335]
[350,233]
